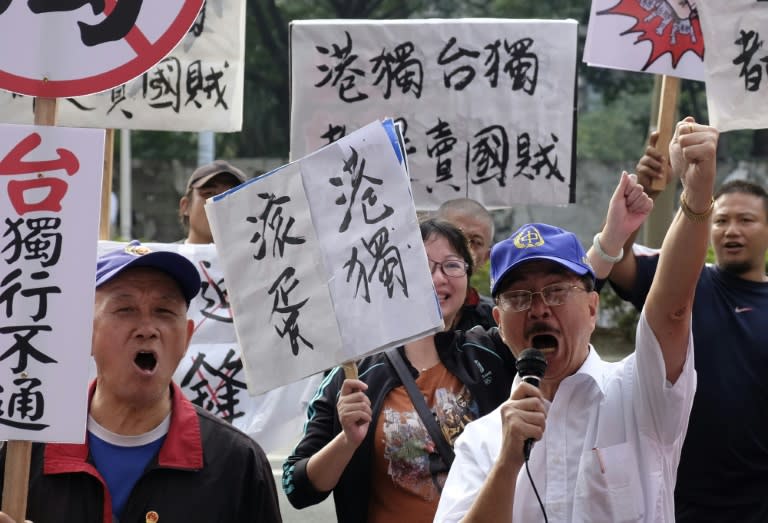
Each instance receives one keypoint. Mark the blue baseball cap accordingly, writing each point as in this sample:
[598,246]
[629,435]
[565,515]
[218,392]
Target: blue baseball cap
[537,241]
[137,255]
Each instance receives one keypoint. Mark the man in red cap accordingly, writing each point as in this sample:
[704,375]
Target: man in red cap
[207,181]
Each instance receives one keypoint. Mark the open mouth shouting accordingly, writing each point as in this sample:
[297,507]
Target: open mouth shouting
[546,343]
[146,361]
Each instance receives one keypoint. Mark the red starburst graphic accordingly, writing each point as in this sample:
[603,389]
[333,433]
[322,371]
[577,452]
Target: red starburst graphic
[658,24]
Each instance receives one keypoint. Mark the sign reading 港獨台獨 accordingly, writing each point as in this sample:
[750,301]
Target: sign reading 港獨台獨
[487,107]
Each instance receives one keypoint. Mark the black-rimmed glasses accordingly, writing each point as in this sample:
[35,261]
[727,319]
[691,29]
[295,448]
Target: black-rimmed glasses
[451,268]
[552,295]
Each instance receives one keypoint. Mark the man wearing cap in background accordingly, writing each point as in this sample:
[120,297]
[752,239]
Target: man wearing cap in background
[149,453]
[608,435]
[205,182]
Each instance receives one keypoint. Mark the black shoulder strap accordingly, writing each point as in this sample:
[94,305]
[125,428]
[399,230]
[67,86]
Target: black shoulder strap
[417,398]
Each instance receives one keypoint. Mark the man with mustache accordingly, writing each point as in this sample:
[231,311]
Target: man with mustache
[608,435]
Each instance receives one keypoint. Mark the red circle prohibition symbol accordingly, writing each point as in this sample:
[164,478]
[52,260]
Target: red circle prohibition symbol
[147,55]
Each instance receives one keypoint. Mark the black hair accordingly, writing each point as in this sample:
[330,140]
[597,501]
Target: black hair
[744,187]
[456,239]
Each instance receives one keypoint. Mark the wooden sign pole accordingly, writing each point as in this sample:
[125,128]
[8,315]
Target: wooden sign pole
[17,458]
[18,453]
[350,370]
[665,124]
[106,185]
[655,227]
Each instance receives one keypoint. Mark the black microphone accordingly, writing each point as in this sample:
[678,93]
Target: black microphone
[530,367]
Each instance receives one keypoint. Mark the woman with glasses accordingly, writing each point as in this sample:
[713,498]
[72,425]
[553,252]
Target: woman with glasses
[365,440]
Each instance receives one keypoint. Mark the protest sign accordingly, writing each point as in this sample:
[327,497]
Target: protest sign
[654,36]
[73,49]
[198,86]
[324,259]
[487,107]
[736,63]
[49,182]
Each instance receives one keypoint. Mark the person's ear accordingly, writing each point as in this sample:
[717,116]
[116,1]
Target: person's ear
[594,304]
[486,257]
[190,330]
[496,313]
[184,205]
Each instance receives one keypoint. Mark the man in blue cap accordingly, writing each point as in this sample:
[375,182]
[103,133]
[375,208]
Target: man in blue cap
[608,435]
[149,453]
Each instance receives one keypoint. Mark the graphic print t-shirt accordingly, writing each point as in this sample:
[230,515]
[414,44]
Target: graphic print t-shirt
[407,470]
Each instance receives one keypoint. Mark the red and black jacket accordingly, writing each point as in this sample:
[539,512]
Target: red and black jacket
[206,470]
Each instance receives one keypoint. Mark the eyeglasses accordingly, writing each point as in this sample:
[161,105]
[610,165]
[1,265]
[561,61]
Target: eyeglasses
[451,268]
[552,295]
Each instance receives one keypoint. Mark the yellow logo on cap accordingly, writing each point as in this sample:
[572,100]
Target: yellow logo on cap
[530,237]
[137,250]
[151,517]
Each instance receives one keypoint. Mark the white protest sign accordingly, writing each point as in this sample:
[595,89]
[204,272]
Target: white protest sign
[487,106]
[211,372]
[78,48]
[736,63]
[653,36]
[50,179]
[325,259]
[269,254]
[198,86]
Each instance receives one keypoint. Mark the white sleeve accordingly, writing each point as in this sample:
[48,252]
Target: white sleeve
[476,450]
[662,408]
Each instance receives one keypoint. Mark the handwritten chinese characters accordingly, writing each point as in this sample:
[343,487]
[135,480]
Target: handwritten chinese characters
[325,259]
[215,386]
[274,224]
[486,107]
[751,65]
[38,242]
[402,67]
[42,172]
[386,261]
[483,160]
[736,62]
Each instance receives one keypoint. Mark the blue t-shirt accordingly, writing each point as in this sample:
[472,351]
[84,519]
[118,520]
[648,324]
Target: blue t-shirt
[122,460]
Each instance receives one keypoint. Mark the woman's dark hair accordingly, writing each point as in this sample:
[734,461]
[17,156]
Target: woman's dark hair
[435,227]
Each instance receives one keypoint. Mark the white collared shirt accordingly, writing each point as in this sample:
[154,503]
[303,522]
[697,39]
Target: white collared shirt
[610,448]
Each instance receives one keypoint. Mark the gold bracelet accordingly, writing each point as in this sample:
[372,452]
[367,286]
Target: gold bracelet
[696,217]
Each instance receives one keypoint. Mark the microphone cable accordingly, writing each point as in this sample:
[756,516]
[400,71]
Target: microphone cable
[535,491]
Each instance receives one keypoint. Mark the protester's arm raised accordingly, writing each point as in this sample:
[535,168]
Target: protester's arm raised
[627,210]
[652,166]
[670,300]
